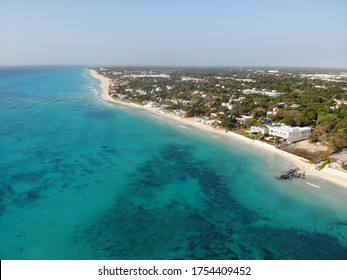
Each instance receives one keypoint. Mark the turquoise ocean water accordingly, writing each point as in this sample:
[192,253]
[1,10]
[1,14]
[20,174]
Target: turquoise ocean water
[85,179]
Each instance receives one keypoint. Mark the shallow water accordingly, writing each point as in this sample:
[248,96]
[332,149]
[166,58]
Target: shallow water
[85,179]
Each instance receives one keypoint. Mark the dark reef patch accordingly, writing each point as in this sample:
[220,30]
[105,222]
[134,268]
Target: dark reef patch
[136,229]
[33,195]
[141,225]
[31,177]
[112,151]
[298,244]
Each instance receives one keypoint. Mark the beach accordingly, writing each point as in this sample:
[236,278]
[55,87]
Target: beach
[329,174]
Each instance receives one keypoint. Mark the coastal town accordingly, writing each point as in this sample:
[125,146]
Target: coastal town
[302,112]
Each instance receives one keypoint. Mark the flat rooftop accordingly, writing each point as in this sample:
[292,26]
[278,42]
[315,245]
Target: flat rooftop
[287,128]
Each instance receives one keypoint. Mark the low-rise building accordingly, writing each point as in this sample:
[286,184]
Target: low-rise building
[262,129]
[141,92]
[180,113]
[288,134]
[273,93]
[273,112]
[244,119]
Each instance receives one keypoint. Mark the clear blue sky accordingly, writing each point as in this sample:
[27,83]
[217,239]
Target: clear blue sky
[174,32]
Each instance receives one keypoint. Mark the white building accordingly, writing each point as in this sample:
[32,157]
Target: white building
[262,129]
[244,119]
[273,93]
[141,92]
[273,112]
[287,133]
[228,105]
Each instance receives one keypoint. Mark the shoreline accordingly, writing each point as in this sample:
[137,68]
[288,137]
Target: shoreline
[301,163]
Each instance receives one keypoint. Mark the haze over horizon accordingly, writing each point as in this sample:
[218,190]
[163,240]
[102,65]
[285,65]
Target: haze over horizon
[175,33]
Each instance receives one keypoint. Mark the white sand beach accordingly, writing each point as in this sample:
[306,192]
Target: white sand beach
[329,174]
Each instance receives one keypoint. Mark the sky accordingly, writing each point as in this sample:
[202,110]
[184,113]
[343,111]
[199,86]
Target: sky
[294,33]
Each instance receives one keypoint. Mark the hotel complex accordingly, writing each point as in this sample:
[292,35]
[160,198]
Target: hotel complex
[287,133]
[273,93]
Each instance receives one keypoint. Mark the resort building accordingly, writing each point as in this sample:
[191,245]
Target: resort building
[244,119]
[288,134]
[273,93]
[260,129]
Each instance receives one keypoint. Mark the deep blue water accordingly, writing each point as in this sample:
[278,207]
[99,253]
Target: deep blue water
[85,179]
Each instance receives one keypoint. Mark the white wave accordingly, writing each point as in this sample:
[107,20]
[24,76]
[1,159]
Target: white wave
[156,117]
[312,185]
[184,127]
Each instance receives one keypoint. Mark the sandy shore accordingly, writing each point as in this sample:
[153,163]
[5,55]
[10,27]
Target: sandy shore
[328,174]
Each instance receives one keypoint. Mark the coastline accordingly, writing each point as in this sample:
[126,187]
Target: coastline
[303,164]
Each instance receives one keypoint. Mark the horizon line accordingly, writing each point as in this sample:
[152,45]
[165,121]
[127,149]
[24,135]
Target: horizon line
[177,66]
